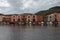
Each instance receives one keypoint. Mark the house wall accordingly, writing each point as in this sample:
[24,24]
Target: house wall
[6,18]
[58,17]
[1,18]
[51,17]
[23,17]
[34,18]
[39,18]
[29,17]
[14,17]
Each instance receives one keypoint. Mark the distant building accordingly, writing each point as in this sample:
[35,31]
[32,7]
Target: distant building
[19,18]
[45,17]
[23,18]
[51,18]
[1,18]
[57,16]
[34,19]
[6,18]
[39,18]
[29,18]
[14,18]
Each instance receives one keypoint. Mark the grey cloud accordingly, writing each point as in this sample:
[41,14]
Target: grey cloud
[16,4]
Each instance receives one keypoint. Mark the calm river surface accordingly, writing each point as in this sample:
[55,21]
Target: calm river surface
[29,32]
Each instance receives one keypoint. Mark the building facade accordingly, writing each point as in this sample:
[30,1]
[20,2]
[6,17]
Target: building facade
[6,19]
[23,18]
[57,16]
[14,18]
[51,17]
[29,18]
[1,17]
[39,18]
[34,19]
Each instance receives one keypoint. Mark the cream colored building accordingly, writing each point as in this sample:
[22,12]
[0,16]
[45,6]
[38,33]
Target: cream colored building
[14,18]
[51,17]
[1,18]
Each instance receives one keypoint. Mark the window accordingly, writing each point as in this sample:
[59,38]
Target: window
[28,20]
[14,20]
[18,20]
[28,16]
[50,16]
[13,16]
[33,16]
[33,20]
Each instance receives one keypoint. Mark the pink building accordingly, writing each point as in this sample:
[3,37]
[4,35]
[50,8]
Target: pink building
[23,17]
[14,18]
[19,18]
[57,16]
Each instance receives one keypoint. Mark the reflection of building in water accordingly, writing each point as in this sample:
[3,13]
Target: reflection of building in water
[15,33]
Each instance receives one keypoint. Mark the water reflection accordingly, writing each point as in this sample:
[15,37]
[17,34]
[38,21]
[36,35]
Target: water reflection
[29,32]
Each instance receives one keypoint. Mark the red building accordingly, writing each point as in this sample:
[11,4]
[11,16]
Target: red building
[39,18]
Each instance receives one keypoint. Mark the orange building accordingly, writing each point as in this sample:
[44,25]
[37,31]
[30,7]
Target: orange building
[39,19]
[6,18]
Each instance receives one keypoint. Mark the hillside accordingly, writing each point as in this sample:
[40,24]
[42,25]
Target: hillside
[55,9]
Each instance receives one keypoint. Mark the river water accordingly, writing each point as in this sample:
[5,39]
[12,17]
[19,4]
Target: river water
[29,32]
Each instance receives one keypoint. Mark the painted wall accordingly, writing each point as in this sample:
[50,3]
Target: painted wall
[58,17]
[34,17]
[1,18]
[23,17]
[6,18]
[39,18]
[51,17]
[14,17]
[29,17]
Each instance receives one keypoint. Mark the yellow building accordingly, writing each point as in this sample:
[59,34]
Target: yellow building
[29,18]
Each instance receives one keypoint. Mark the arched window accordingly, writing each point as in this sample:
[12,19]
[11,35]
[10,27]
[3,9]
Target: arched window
[18,20]
[14,20]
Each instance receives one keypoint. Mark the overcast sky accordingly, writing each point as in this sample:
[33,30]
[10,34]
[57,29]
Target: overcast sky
[26,6]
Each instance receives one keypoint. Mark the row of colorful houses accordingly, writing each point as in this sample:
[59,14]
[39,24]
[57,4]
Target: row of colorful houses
[26,18]
[21,18]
